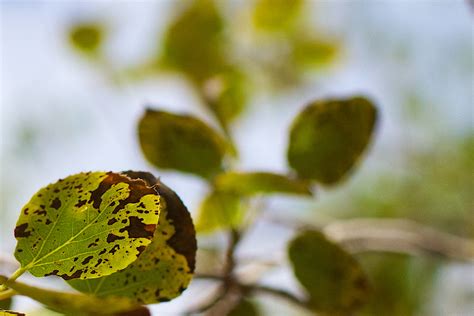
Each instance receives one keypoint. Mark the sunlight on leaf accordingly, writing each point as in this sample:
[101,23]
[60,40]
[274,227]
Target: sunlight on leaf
[165,268]
[333,279]
[261,182]
[328,137]
[220,210]
[78,304]
[181,142]
[87,37]
[86,225]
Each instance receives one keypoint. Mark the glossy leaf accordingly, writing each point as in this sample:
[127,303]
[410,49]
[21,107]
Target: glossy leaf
[220,210]
[86,226]
[87,37]
[166,266]
[328,137]
[333,279]
[193,43]
[78,304]
[244,308]
[261,182]
[181,142]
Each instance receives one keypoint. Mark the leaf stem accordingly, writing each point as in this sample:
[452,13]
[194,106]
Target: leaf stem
[6,294]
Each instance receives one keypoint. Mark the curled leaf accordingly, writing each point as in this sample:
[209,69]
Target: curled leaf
[328,137]
[333,279]
[181,142]
[166,266]
[87,225]
[261,182]
[78,304]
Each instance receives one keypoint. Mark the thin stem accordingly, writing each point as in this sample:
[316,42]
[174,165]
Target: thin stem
[13,277]
[278,293]
[6,294]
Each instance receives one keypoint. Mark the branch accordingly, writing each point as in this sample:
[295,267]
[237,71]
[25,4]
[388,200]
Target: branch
[255,288]
[399,236]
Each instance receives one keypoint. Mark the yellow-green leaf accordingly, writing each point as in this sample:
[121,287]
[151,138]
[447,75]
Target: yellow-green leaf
[193,43]
[261,182]
[10,313]
[276,15]
[333,279]
[165,268]
[86,226]
[314,52]
[220,210]
[181,142]
[78,304]
[87,37]
[328,137]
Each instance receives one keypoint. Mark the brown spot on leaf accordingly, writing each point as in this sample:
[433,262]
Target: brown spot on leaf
[112,238]
[87,259]
[138,229]
[56,204]
[20,231]
[112,221]
[40,212]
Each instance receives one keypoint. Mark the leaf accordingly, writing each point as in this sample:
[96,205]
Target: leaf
[220,210]
[181,142]
[244,308]
[276,15]
[86,225]
[10,313]
[328,137]
[260,182]
[333,279]
[78,304]
[165,268]
[314,52]
[87,37]
[194,42]
[5,303]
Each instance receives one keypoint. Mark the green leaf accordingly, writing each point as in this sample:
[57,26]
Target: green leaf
[181,142]
[276,15]
[10,313]
[333,279]
[87,37]
[244,308]
[5,304]
[260,182]
[165,268]
[194,42]
[78,304]
[328,137]
[86,226]
[220,210]
[314,52]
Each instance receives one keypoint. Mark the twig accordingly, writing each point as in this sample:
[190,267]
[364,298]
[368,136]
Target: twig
[278,293]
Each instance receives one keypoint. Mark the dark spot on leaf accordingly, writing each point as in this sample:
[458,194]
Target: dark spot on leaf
[54,272]
[75,275]
[138,229]
[20,231]
[47,222]
[56,204]
[112,221]
[102,251]
[114,249]
[112,238]
[40,212]
[80,203]
[87,259]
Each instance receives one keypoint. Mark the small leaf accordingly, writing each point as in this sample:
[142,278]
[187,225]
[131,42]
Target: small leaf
[87,37]
[220,210]
[328,137]
[181,142]
[194,42]
[78,304]
[314,52]
[276,15]
[165,268]
[260,182]
[244,308]
[333,279]
[86,225]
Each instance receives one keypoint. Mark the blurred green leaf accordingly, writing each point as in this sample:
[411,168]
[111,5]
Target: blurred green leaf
[314,52]
[261,182]
[10,313]
[220,210]
[78,304]
[163,271]
[244,308]
[5,304]
[193,43]
[181,142]
[333,279]
[226,95]
[276,15]
[87,37]
[328,137]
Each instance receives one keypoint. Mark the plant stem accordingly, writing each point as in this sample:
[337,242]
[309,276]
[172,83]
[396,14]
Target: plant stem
[6,294]
[13,277]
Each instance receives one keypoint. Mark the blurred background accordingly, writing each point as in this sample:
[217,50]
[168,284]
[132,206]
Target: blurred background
[77,75]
